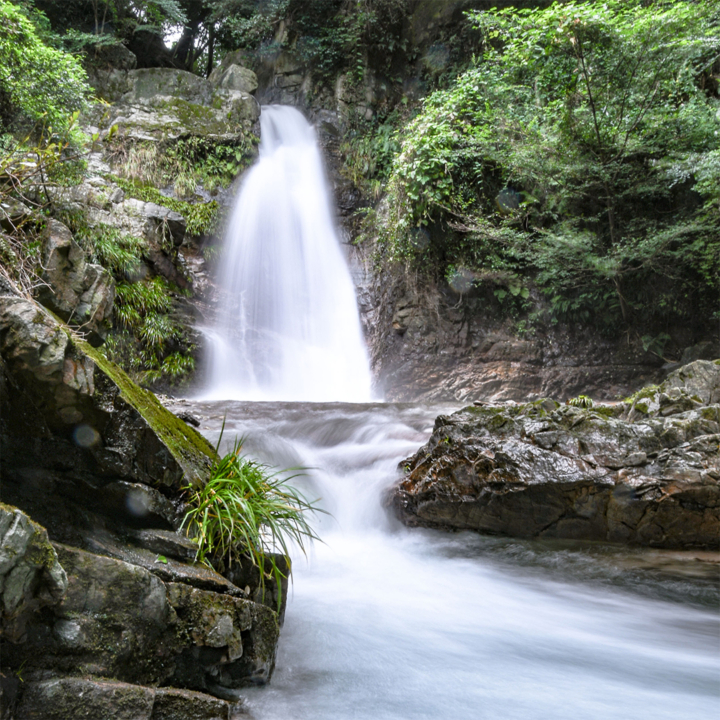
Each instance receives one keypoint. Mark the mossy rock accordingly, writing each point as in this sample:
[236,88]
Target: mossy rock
[188,447]
[130,436]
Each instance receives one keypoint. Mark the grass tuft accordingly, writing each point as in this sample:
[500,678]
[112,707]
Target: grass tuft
[247,509]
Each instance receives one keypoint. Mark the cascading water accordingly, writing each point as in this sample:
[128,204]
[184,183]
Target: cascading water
[390,623]
[287,325]
[386,623]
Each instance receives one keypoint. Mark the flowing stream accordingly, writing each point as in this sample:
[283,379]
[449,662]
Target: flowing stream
[386,623]
[389,623]
[287,325]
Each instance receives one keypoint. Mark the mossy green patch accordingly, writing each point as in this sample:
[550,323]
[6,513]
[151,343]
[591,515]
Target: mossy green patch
[646,392]
[608,411]
[39,551]
[200,217]
[191,451]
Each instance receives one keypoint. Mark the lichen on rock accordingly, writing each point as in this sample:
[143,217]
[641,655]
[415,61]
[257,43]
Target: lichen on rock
[31,576]
[543,470]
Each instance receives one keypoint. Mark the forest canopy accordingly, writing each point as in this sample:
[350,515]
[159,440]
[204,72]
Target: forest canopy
[580,151]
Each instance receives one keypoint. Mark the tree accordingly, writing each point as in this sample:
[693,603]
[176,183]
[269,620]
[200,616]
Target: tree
[40,84]
[603,119]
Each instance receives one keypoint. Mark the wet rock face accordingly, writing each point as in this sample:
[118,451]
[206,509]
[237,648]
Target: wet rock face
[30,575]
[119,620]
[550,471]
[434,345]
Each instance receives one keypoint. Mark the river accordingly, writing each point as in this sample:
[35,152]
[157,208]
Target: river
[389,623]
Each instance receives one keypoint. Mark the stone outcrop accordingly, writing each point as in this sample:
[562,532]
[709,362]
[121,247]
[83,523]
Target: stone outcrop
[645,472]
[231,75]
[100,596]
[435,345]
[121,621]
[85,416]
[164,104]
[80,292]
[30,575]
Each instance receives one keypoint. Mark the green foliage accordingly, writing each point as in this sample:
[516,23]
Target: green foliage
[581,150]
[92,22]
[185,164]
[245,509]
[40,86]
[146,341]
[368,150]
[107,246]
[581,401]
[200,217]
[142,311]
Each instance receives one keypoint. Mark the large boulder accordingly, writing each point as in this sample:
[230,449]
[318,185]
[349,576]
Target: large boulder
[111,589]
[605,473]
[164,104]
[121,621]
[109,427]
[689,387]
[77,436]
[80,292]
[234,77]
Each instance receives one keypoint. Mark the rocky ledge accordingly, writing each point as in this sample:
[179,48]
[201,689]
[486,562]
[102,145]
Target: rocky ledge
[644,472]
[103,612]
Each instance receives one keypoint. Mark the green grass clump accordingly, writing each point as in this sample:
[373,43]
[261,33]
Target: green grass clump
[246,509]
[581,401]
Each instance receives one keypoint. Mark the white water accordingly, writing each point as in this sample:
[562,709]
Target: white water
[288,325]
[386,623]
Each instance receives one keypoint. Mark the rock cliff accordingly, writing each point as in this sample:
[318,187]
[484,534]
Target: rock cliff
[101,600]
[644,472]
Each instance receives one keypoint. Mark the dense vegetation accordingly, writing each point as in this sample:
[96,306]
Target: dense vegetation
[579,155]
[564,163]
[44,87]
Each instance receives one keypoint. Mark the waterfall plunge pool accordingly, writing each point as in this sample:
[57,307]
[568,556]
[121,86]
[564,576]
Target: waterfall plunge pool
[389,623]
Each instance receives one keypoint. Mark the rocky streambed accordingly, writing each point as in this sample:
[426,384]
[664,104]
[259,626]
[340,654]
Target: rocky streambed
[643,472]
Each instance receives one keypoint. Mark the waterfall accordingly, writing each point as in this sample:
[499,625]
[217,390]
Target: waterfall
[287,325]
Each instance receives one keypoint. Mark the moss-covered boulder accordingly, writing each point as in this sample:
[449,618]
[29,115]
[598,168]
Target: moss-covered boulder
[545,470]
[691,386]
[109,425]
[164,104]
[78,436]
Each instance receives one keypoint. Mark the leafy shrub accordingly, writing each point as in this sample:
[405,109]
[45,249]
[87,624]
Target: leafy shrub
[601,120]
[39,85]
[245,509]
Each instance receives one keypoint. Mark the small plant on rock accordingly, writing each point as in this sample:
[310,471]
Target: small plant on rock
[247,509]
[581,401]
